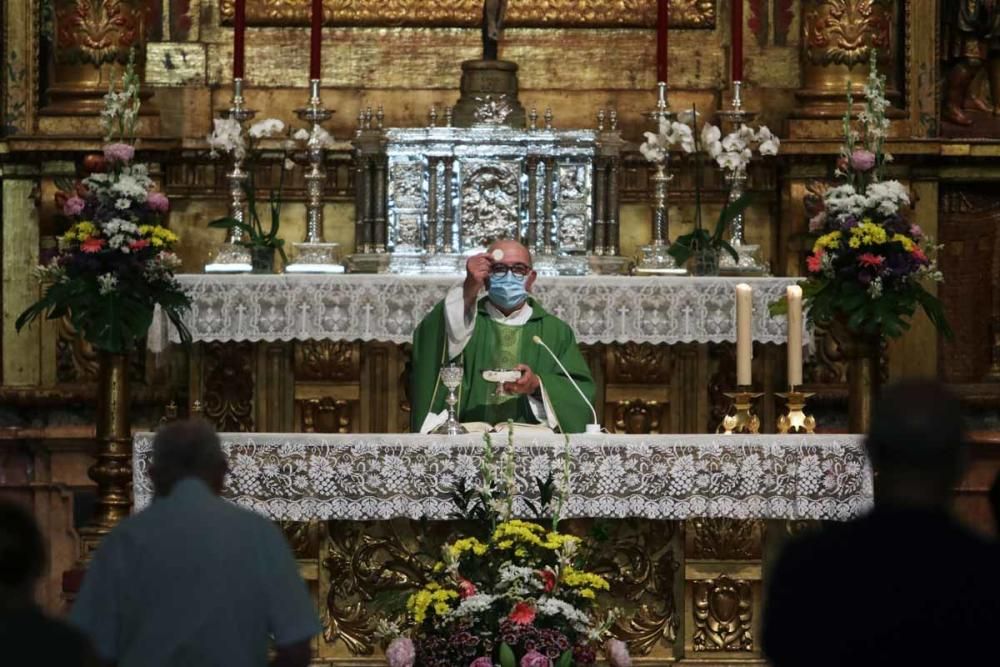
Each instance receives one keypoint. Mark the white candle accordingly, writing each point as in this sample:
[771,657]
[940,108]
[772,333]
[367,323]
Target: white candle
[744,337]
[794,295]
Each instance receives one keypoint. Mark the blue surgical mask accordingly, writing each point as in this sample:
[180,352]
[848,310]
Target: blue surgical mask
[507,291]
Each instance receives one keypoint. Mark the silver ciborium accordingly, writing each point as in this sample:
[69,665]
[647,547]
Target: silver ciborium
[451,377]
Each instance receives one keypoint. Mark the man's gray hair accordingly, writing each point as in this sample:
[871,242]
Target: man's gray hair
[186,449]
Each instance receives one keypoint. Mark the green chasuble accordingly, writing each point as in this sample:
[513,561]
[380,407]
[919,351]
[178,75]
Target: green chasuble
[500,346]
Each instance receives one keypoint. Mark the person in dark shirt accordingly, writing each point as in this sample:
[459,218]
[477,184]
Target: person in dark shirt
[906,584]
[27,636]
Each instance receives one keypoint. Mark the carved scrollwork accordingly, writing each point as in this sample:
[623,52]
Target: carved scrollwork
[327,361]
[640,363]
[637,417]
[303,537]
[843,32]
[229,380]
[468,13]
[723,614]
[725,539]
[98,31]
[325,415]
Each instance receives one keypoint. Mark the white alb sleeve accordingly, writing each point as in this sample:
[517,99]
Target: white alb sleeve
[458,326]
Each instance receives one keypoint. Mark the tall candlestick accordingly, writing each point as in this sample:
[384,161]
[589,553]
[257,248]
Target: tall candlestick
[316,39]
[239,31]
[794,296]
[744,336]
[737,39]
[662,19]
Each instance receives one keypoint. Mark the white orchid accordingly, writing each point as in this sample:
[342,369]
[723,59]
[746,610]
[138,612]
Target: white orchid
[317,138]
[227,137]
[266,128]
[657,145]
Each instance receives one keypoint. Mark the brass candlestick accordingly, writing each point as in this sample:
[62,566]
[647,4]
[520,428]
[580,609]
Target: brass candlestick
[233,256]
[314,254]
[796,420]
[742,418]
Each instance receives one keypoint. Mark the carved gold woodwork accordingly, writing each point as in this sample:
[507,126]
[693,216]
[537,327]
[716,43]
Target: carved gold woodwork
[76,359]
[468,13]
[639,363]
[327,361]
[304,537]
[227,399]
[637,416]
[722,615]
[324,415]
[724,539]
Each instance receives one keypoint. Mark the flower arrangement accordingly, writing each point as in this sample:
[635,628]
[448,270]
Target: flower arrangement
[228,137]
[517,595]
[116,263]
[868,262]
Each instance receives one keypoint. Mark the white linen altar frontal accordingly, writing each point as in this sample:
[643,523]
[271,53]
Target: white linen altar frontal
[379,307]
[301,477]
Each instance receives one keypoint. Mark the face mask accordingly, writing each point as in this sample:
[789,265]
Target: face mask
[508,292]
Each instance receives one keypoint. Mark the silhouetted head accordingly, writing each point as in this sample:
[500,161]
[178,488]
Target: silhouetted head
[22,554]
[917,444]
[187,449]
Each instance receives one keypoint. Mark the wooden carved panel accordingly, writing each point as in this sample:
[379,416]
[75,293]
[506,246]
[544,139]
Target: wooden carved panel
[724,539]
[324,415]
[969,225]
[637,417]
[723,614]
[468,13]
[327,361]
[227,400]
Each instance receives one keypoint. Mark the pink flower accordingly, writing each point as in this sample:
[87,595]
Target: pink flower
[158,201]
[523,613]
[817,222]
[815,262]
[92,245]
[401,652]
[843,163]
[548,579]
[73,206]
[118,153]
[617,652]
[916,232]
[139,244]
[466,588]
[481,661]
[862,160]
[535,659]
[868,259]
[918,254]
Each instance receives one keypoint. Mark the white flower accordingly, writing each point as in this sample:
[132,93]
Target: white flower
[710,134]
[472,605]
[688,117]
[769,147]
[266,128]
[227,137]
[547,606]
[302,134]
[731,161]
[122,203]
[845,200]
[107,282]
[875,288]
[887,196]
[733,142]
[289,164]
[683,135]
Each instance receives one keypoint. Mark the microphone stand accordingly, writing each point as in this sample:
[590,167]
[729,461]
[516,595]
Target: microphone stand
[592,428]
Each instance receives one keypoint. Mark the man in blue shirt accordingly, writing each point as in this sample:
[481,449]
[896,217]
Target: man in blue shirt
[193,580]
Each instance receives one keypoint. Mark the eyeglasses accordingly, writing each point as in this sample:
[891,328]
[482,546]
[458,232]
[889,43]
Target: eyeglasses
[500,270]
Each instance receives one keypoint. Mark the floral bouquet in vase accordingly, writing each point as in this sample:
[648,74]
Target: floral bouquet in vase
[869,263]
[116,263]
[519,595]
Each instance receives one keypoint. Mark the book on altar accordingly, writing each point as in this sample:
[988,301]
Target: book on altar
[432,421]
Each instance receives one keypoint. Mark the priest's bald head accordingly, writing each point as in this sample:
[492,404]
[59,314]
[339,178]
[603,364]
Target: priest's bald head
[505,271]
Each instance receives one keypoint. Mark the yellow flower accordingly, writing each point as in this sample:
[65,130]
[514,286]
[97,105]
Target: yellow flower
[433,599]
[466,544]
[830,240]
[574,578]
[868,233]
[906,241]
[855,242]
[588,594]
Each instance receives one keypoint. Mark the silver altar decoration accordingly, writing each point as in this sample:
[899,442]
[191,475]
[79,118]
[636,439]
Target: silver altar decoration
[655,257]
[748,262]
[451,377]
[314,254]
[429,197]
[233,256]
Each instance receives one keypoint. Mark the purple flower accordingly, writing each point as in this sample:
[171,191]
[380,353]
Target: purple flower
[850,222]
[535,659]
[158,202]
[916,232]
[617,653]
[862,160]
[481,661]
[118,152]
[401,652]
[73,206]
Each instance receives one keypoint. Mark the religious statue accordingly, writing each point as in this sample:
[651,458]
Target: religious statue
[498,332]
[493,15]
[972,30]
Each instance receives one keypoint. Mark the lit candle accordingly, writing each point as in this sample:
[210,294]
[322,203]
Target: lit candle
[744,336]
[316,39]
[794,296]
[239,30]
[662,18]
[736,34]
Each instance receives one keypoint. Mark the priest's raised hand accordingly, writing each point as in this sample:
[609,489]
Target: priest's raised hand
[488,322]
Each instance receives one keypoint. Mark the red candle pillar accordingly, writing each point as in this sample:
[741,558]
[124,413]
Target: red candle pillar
[316,39]
[239,31]
[737,40]
[662,19]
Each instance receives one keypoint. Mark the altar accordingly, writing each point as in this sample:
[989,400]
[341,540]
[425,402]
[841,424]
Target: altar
[684,526]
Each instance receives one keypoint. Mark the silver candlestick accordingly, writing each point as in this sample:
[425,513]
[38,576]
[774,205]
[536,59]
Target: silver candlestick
[314,254]
[655,258]
[748,262]
[233,255]
[451,377]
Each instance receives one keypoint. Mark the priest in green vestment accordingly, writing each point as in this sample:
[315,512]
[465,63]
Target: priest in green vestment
[497,331]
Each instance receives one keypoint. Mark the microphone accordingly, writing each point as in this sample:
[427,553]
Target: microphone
[594,427]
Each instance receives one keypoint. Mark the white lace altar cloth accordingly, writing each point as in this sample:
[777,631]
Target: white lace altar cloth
[374,307]
[376,477]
